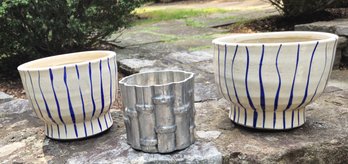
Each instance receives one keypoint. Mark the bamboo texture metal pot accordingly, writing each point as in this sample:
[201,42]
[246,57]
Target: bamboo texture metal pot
[159,110]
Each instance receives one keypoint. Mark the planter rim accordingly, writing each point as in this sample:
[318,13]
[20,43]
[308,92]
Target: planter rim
[123,80]
[329,37]
[24,66]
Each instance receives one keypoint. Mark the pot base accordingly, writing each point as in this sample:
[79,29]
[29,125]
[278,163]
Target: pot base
[271,120]
[79,130]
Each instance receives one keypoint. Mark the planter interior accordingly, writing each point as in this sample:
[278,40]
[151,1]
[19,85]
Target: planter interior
[64,60]
[275,37]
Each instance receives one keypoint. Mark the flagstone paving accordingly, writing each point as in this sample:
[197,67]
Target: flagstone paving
[174,45]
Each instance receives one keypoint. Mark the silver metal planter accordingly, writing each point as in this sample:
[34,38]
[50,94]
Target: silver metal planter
[159,110]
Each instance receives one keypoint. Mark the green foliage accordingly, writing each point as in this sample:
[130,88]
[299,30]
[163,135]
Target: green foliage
[31,29]
[293,8]
[341,3]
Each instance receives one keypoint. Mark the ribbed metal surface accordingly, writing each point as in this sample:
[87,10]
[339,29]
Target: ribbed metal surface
[159,110]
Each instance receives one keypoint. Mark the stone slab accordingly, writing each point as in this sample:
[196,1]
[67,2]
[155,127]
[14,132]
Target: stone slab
[130,38]
[22,139]
[337,26]
[322,139]
[338,59]
[208,135]
[190,57]
[183,29]
[123,153]
[206,67]
[221,23]
[339,79]
[206,91]
[15,106]
[342,30]
[342,42]
[5,97]
[152,69]
[131,66]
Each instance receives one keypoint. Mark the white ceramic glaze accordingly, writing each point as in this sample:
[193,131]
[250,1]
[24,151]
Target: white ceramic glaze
[72,93]
[269,84]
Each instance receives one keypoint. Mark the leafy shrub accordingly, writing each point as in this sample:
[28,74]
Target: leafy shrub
[31,29]
[293,8]
[166,1]
[341,3]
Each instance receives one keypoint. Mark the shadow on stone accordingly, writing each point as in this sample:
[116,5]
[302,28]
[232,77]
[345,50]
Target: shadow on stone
[80,139]
[253,130]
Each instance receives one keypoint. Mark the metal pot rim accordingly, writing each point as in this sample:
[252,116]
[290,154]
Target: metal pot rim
[123,81]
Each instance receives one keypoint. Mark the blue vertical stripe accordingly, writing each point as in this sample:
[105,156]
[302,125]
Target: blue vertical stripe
[82,101]
[57,102]
[32,87]
[101,86]
[111,100]
[247,89]
[92,127]
[308,76]
[292,88]
[100,126]
[278,90]
[292,118]
[228,92]
[115,66]
[101,92]
[316,89]
[234,86]
[110,84]
[307,84]
[262,92]
[48,130]
[28,93]
[53,130]
[71,109]
[91,85]
[106,123]
[46,105]
[234,112]
[110,117]
[92,97]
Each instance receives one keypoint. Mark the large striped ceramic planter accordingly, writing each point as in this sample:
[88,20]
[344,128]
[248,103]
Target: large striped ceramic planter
[269,81]
[159,110]
[72,93]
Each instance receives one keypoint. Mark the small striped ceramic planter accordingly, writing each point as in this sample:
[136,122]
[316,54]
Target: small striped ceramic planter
[270,77]
[72,93]
[159,110]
